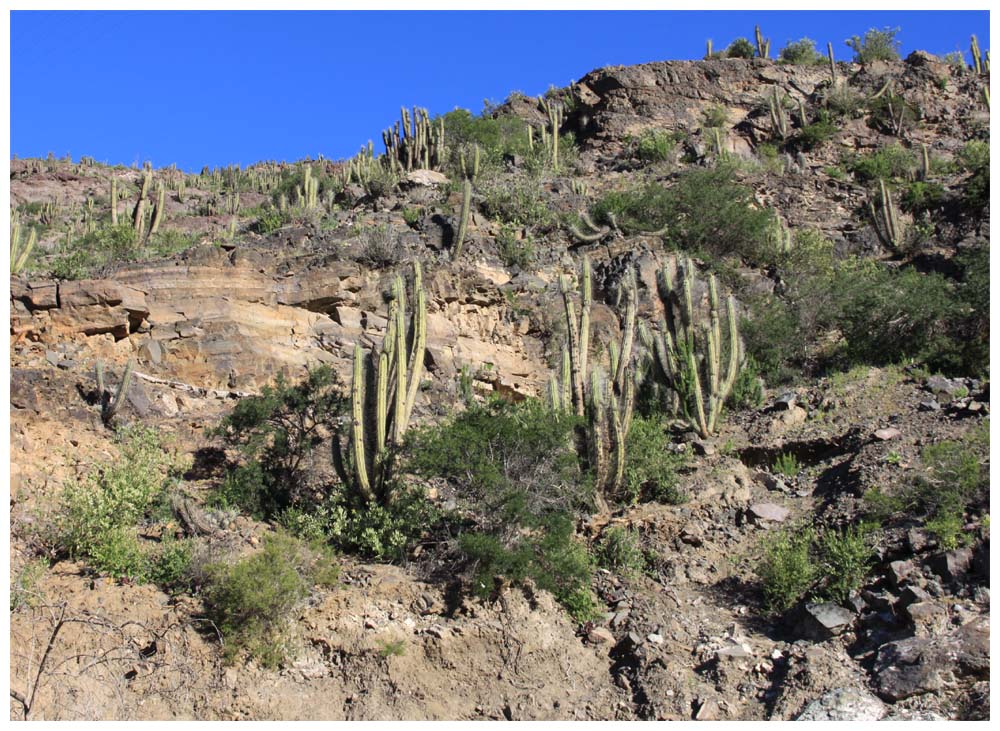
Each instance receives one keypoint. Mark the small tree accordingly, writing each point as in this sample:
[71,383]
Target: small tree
[740,48]
[877,45]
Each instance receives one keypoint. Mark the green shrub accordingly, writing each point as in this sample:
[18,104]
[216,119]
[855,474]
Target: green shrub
[974,158]
[618,551]
[412,216]
[846,558]
[392,648]
[515,473]
[748,391]
[380,248]
[922,197]
[715,116]
[740,48]
[877,45]
[269,221]
[787,464]
[705,211]
[893,162]
[23,592]
[787,569]
[515,252]
[373,531]
[813,135]
[113,497]
[252,600]
[78,258]
[277,431]
[655,145]
[650,466]
[802,52]
[519,202]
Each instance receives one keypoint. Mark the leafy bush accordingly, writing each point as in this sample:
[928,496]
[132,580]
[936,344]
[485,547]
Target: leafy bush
[518,202]
[922,197]
[655,145]
[877,45]
[252,601]
[515,472]
[846,557]
[787,569]
[705,211]
[715,116]
[650,466]
[373,531]
[276,432]
[23,583]
[748,391]
[975,159]
[813,135]
[619,551]
[802,52]
[886,163]
[107,245]
[740,48]
[269,221]
[515,252]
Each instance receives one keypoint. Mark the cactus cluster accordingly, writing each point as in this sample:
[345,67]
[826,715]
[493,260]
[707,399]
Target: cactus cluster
[779,122]
[553,109]
[383,392]
[112,403]
[414,142]
[885,218]
[469,174]
[980,63]
[691,359]
[20,248]
[583,388]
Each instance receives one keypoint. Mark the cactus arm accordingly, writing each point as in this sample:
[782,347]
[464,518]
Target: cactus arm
[419,342]
[585,315]
[399,401]
[357,426]
[573,333]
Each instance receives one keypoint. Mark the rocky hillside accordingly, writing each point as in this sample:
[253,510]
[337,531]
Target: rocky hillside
[822,552]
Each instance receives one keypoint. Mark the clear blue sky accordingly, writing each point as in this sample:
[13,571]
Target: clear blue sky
[215,88]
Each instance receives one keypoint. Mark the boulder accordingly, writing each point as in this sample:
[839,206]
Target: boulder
[825,620]
[844,704]
[768,512]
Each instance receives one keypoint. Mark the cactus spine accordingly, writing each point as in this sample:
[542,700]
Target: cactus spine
[690,357]
[382,401]
[110,405]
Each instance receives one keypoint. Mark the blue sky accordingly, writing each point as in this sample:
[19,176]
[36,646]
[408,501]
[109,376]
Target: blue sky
[216,88]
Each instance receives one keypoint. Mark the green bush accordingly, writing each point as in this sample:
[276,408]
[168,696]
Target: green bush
[373,531]
[23,591]
[715,116]
[740,48]
[705,212]
[650,466]
[974,158]
[748,391]
[787,464]
[515,252]
[269,221]
[877,45]
[787,569]
[846,557]
[655,145]
[77,259]
[618,551]
[813,135]
[516,477]
[277,432]
[252,600]
[892,162]
[922,197]
[112,497]
[802,52]
[518,202]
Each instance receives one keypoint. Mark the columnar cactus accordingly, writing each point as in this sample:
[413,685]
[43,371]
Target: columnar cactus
[110,405]
[779,122]
[690,356]
[383,392]
[583,388]
[554,111]
[763,44]
[20,250]
[158,210]
[114,202]
[977,57]
[833,64]
[468,174]
[885,219]
[421,144]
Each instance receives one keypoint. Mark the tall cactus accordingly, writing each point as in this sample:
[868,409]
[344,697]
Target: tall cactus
[111,404]
[583,388]
[383,393]
[779,122]
[763,44]
[114,202]
[554,111]
[468,175]
[885,219]
[690,354]
[20,249]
